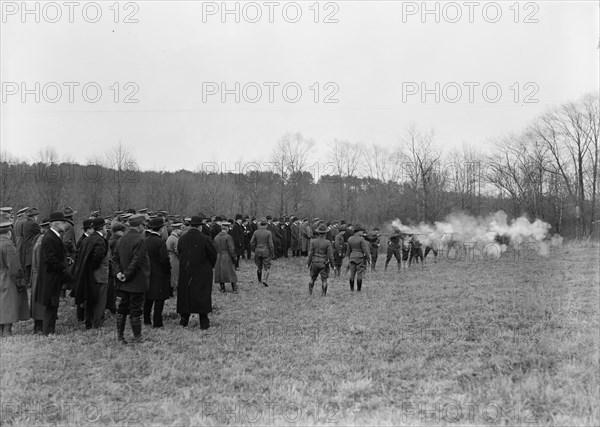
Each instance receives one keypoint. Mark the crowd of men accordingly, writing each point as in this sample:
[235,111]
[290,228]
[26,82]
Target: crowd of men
[146,257]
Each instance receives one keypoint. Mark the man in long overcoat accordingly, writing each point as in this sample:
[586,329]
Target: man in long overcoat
[132,267]
[237,233]
[12,288]
[160,273]
[197,257]
[226,254]
[90,281]
[53,270]
[31,230]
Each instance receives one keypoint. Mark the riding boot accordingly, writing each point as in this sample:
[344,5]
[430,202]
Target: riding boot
[385,266]
[311,284]
[358,285]
[266,278]
[324,288]
[259,275]
[38,326]
[222,287]
[121,319]
[136,327]
[351,285]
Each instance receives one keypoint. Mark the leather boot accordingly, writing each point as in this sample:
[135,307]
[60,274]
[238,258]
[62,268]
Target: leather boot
[222,287]
[266,278]
[136,328]
[358,285]
[38,326]
[351,285]
[311,285]
[324,288]
[121,318]
[259,275]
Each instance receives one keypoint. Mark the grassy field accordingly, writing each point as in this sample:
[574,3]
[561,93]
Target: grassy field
[511,342]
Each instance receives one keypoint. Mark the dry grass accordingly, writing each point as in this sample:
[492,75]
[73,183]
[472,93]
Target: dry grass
[506,342]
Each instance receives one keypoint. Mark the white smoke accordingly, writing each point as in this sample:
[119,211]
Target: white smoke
[463,228]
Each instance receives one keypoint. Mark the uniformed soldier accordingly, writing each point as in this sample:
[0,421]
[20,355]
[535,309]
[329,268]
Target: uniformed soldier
[339,250]
[264,250]
[393,249]
[359,254]
[320,257]
[374,246]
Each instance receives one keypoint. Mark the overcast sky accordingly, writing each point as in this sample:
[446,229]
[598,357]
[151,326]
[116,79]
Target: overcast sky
[372,57]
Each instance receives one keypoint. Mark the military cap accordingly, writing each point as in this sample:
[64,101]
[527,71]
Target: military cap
[32,212]
[126,216]
[69,212]
[21,211]
[45,222]
[131,211]
[94,214]
[322,229]
[117,213]
[143,211]
[136,220]
[176,225]
[4,224]
[162,213]
[117,226]
[6,210]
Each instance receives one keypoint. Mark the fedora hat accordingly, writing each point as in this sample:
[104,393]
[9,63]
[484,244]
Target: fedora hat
[322,229]
[32,212]
[156,223]
[87,223]
[98,223]
[196,220]
[358,227]
[58,216]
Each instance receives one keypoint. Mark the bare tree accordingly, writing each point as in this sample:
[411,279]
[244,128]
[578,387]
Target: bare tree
[125,171]
[424,172]
[346,159]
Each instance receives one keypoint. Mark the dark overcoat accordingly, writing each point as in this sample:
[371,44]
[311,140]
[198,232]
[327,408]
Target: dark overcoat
[31,230]
[237,233]
[93,251]
[197,257]
[53,270]
[131,259]
[160,268]
[224,267]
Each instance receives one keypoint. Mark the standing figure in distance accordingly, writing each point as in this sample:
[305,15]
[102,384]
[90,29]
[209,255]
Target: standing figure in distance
[264,249]
[197,257]
[359,254]
[226,256]
[320,257]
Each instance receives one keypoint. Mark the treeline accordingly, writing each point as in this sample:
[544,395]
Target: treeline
[547,171]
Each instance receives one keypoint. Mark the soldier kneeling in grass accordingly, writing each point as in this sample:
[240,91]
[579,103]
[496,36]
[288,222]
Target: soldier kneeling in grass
[320,257]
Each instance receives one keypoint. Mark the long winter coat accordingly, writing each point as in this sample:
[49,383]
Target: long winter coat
[11,275]
[295,237]
[305,237]
[94,251]
[224,267]
[37,309]
[53,270]
[173,258]
[131,259]
[237,234]
[197,257]
[160,267]
[31,230]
